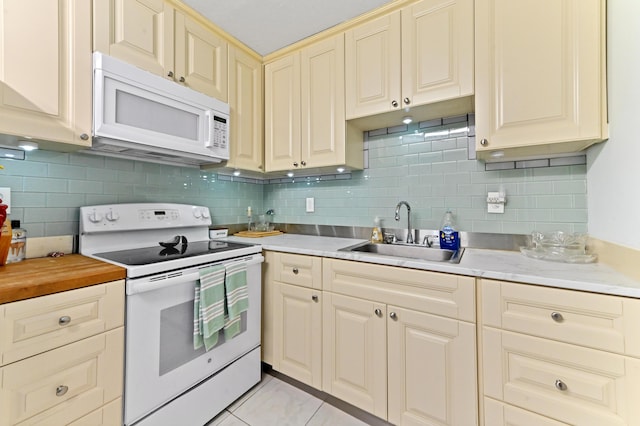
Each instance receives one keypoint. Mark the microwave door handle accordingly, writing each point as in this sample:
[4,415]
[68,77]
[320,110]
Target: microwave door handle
[208,129]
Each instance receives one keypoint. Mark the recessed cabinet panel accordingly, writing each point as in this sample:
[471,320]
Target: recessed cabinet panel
[498,414]
[136,31]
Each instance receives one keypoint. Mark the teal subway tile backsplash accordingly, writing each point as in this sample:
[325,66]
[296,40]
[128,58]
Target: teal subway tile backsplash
[427,166]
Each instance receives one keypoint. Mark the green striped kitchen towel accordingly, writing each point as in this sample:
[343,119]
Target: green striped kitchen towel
[209,307]
[237,297]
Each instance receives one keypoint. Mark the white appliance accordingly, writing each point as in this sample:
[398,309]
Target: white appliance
[142,115]
[167,382]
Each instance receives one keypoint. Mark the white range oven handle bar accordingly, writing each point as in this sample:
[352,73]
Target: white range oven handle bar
[146,285]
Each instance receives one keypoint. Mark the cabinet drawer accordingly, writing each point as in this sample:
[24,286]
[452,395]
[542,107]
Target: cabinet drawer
[448,295]
[568,383]
[297,269]
[64,384]
[498,414]
[110,414]
[594,320]
[29,327]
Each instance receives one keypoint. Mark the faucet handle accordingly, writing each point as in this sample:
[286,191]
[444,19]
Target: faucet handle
[390,238]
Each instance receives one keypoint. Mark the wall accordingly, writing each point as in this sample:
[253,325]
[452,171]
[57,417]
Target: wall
[433,173]
[48,187]
[613,172]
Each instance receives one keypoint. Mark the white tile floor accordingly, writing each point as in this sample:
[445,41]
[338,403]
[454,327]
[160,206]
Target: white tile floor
[274,402]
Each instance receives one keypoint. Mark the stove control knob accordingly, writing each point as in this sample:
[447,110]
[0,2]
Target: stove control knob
[95,217]
[112,216]
[205,213]
[197,213]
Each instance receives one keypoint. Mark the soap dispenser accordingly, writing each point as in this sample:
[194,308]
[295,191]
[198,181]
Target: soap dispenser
[449,238]
[376,232]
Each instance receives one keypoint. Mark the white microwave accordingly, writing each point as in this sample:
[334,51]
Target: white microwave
[140,115]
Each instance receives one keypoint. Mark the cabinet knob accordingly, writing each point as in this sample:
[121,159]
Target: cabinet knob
[304,163]
[314,298]
[295,271]
[393,316]
[61,390]
[64,320]
[182,80]
[407,101]
[484,142]
[378,312]
[394,104]
[84,136]
[560,385]
[170,74]
[557,316]
[295,164]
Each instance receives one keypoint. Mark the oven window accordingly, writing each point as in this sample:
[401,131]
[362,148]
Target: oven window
[176,337]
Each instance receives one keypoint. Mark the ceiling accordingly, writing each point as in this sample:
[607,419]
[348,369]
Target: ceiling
[268,25]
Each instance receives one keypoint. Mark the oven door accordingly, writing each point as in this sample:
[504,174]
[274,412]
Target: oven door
[161,363]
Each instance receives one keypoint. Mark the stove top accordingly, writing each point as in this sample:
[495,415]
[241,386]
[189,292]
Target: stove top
[157,254]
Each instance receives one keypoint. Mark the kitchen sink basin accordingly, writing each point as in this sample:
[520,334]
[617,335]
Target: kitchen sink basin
[412,251]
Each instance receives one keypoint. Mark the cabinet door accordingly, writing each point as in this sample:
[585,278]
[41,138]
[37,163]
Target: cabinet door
[245,101]
[323,116]
[437,51]
[373,67]
[45,63]
[282,113]
[108,415]
[354,347]
[432,369]
[200,57]
[137,31]
[298,334]
[537,87]
[499,414]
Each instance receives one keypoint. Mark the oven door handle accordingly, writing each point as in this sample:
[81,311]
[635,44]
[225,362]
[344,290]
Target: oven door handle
[143,287]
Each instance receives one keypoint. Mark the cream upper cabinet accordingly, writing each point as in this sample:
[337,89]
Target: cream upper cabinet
[45,77]
[156,36]
[418,55]
[539,76]
[282,113]
[304,111]
[245,101]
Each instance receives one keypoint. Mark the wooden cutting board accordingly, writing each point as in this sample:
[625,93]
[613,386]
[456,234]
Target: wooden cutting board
[257,234]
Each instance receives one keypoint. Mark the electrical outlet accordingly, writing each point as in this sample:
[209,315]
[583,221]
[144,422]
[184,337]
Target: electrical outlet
[310,205]
[5,195]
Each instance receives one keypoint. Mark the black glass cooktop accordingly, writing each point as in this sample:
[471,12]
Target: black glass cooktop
[148,255]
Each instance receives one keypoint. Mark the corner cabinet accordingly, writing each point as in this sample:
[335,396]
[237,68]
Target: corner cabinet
[158,37]
[245,101]
[540,77]
[418,55]
[45,78]
[400,343]
[304,111]
[62,358]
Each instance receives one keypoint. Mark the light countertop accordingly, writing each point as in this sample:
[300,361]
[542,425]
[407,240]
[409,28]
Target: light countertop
[493,264]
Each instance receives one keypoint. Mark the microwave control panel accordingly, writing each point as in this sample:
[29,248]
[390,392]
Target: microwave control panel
[219,132]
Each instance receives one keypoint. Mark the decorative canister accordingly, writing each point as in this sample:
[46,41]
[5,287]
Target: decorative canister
[18,246]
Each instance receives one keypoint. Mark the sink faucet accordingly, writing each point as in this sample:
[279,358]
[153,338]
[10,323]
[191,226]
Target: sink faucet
[409,236]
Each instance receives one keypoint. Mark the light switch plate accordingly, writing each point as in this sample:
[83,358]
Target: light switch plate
[5,195]
[311,205]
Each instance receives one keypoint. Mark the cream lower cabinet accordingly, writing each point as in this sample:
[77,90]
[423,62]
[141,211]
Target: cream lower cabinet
[539,92]
[389,349]
[296,316]
[45,77]
[62,358]
[568,356]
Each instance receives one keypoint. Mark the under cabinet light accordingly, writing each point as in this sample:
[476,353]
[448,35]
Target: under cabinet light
[28,145]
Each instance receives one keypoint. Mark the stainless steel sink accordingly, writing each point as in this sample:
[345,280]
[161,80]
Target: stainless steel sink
[412,251]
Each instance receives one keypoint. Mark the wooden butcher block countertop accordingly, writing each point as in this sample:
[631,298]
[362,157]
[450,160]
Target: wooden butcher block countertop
[47,275]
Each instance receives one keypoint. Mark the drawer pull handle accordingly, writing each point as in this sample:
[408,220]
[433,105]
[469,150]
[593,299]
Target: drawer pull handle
[295,271]
[314,298]
[393,316]
[61,390]
[560,385]
[64,320]
[378,312]
[557,316]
